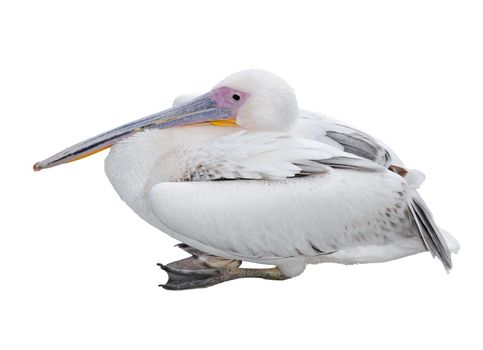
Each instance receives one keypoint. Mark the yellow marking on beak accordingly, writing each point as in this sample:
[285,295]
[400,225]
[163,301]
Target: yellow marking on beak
[89,154]
[224,122]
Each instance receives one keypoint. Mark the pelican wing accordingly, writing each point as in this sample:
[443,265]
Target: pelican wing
[305,198]
[269,220]
[262,155]
[310,198]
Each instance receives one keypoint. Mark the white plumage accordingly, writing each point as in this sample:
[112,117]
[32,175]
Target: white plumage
[274,221]
[298,187]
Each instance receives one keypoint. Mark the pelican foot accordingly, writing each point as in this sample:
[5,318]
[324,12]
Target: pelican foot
[202,270]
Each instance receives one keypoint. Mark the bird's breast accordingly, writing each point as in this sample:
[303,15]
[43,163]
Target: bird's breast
[136,164]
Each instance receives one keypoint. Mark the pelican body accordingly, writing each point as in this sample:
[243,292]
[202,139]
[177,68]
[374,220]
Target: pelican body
[241,174]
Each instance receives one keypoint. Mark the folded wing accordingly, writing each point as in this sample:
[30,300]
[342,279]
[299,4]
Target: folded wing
[288,197]
[268,220]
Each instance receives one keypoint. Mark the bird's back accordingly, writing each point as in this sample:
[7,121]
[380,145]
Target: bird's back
[330,131]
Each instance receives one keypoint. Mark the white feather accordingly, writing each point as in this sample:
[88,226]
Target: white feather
[271,221]
[255,155]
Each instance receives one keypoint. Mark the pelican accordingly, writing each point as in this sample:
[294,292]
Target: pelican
[241,174]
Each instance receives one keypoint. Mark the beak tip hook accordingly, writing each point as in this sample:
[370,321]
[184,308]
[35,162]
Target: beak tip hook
[37,167]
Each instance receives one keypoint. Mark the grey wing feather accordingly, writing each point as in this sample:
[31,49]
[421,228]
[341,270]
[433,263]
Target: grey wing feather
[352,163]
[361,145]
[345,137]
[431,235]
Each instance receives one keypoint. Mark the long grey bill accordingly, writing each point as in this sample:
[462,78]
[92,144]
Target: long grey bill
[201,109]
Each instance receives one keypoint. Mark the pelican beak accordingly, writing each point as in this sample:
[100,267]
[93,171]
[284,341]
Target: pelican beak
[216,106]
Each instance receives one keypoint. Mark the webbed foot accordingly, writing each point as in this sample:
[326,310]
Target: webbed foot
[203,270]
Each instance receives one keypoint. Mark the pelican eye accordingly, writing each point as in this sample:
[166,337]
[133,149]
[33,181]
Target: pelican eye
[236,97]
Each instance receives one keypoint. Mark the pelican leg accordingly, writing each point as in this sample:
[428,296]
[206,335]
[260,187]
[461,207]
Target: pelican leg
[202,270]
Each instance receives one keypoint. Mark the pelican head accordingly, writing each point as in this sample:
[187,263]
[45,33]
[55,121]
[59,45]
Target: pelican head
[272,105]
[252,99]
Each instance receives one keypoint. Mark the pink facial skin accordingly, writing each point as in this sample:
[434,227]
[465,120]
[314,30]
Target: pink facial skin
[227,97]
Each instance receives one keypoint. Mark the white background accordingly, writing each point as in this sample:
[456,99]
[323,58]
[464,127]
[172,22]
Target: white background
[78,267]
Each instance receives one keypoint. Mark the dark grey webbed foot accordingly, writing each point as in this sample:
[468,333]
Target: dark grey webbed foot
[191,273]
[203,270]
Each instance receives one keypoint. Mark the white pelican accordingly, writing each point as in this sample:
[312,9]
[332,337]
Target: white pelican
[299,188]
